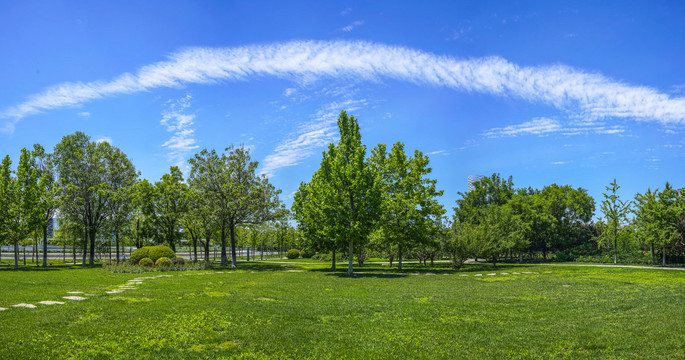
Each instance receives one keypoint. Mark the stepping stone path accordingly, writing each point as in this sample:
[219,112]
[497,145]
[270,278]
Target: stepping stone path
[75,292]
[504,273]
[114,291]
[30,306]
[50,302]
[478,275]
[492,274]
[75,298]
[3,309]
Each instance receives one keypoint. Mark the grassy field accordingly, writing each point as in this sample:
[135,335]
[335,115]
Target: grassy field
[302,311]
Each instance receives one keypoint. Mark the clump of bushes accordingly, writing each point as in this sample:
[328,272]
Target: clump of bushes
[152,252]
[127,268]
[146,261]
[163,261]
[178,260]
[292,254]
[307,253]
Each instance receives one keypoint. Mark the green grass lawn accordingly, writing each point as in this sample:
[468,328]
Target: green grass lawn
[301,311]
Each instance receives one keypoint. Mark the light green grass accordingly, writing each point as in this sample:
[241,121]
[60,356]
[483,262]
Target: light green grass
[304,311]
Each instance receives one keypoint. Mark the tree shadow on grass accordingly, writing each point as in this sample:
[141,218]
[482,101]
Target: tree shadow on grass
[33,268]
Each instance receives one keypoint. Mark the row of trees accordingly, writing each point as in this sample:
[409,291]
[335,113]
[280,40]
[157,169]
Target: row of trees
[96,191]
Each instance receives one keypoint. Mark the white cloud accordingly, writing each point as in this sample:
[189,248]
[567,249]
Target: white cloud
[345,12]
[180,124]
[84,114]
[106,139]
[311,136]
[351,27]
[571,90]
[559,163]
[289,92]
[545,126]
[438,152]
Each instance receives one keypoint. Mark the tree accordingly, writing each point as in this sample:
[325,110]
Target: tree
[409,206]
[570,210]
[22,201]
[658,216]
[85,176]
[345,189]
[47,192]
[121,179]
[234,191]
[166,205]
[6,199]
[616,216]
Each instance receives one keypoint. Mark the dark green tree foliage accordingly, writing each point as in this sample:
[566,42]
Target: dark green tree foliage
[22,200]
[491,190]
[6,199]
[234,192]
[345,190]
[121,177]
[570,209]
[409,206]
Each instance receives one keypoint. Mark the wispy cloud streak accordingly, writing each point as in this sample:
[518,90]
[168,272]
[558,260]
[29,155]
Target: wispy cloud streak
[584,94]
[180,124]
[545,126]
[310,137]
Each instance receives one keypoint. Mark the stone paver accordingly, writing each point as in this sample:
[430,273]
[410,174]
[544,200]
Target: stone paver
[29,306]
[75,298]
[50,302]
[3,309]
[74,292]
[114,291]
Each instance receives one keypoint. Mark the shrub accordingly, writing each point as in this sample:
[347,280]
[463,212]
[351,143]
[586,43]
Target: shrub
[161,251]
[293,254]
[307,253]
[163,261]
[145,262]
[139,254]
[178,260]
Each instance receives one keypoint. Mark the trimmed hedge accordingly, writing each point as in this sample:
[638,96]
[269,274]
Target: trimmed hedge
[293,254]
[152,252]
[163,261]
[145,262]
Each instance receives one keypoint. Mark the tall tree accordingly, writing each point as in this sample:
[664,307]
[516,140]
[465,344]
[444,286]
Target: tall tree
[166,204]
[23,202]
[616,216]
[235,192]
[570,209]
[83,175]
[6,199]
[121,179]
[658,216]
[48,197]
[346,189]
[409,206]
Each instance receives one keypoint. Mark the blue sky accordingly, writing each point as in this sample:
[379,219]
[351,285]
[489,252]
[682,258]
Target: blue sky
[573,93]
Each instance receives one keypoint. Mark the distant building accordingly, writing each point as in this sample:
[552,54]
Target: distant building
[472,181]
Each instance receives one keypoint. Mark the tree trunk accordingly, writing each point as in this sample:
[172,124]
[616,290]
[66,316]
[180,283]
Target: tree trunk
[45,246]
[195,247]
[663,256]
[399,257]
[207,250]
[333,263]
[351,259]
[520,257]
[24,250]
[16,256]
[234,262]
[392,257]
[85,246]
[91,260]
[116,240]
[651,248]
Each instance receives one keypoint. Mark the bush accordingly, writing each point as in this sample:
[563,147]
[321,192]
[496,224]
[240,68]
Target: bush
[139,254]
[307,253]
[163,261]
[145,262]
[293,254]
[161,251]
[178,261]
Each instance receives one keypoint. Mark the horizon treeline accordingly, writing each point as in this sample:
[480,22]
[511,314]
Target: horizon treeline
[356,205]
